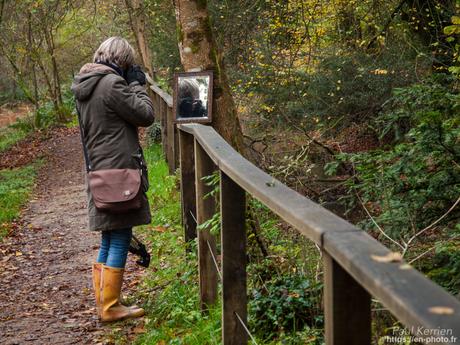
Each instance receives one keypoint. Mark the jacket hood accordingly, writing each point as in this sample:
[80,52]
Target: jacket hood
[87,79]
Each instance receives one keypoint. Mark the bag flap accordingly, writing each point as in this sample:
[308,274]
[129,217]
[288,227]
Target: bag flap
[114,185]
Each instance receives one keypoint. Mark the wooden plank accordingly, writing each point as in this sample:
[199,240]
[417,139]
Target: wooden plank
[151,93]
[415,300]
[233,234]
[170,140]
[205,209]
[164,132]
[309,218]
[158,110]
[347,307]
[164,96]
[176,146]
[187,185]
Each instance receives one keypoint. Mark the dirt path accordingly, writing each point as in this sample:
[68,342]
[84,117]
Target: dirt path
[45,266]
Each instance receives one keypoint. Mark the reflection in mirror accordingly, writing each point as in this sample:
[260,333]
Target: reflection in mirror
[193,97]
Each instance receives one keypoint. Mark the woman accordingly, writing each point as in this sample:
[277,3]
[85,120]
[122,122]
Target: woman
[190,104]
[112,103]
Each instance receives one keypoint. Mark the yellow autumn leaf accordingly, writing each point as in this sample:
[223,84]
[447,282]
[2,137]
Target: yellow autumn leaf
[440,310]
[390,257]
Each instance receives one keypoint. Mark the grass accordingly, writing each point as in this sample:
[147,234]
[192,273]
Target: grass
[15,184]
[15,188]
[11,135]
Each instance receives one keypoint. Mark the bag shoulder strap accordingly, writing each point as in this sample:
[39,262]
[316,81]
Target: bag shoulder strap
[82,135]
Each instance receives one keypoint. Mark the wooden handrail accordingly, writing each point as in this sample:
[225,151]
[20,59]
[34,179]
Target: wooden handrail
[415,300]
[155,88]
[356,265]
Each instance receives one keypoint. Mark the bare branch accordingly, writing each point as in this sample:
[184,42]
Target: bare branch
[432,224]
[403,248]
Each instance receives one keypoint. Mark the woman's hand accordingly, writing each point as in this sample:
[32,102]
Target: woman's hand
[135,73]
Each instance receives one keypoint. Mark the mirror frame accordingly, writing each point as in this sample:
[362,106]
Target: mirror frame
[207,119]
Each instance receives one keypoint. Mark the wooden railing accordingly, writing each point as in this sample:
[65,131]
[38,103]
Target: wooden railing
[163,104]
[356,266]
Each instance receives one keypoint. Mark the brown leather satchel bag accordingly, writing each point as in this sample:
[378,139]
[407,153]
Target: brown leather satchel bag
[116,190]
[113,190]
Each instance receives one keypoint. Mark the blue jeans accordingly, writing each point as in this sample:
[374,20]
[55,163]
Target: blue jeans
[114,247]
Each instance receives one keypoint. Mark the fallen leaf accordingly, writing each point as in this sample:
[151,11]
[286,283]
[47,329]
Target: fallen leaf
[441,310]
[6,258]
[139,330]
[390,257]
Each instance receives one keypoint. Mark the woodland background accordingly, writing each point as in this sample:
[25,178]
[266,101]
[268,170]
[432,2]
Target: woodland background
[355,104]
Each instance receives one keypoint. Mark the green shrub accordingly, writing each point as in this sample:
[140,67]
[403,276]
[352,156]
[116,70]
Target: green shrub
[444,268]
[45,115]
[154,134]
[352,88]
[288,303]
[416,179]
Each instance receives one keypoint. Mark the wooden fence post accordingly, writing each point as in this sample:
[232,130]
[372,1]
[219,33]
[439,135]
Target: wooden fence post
[347,307]
[233,234]
[163,120]
[170,139]
[156,107]
[176,145]
[187,185]
[205,209]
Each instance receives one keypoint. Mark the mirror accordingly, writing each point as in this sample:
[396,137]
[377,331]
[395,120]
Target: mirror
[193,97]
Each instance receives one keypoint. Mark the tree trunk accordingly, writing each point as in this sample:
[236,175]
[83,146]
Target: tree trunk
[57,96]
[30,47]
[19,80]
[2,7]
[199,52]
[45,76]
[348,26]
[137,22]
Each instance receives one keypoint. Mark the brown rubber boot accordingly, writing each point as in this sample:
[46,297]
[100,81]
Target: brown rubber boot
[97,270]
[112,309]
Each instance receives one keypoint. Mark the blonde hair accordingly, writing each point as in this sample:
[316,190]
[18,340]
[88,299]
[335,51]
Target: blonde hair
[115,50]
